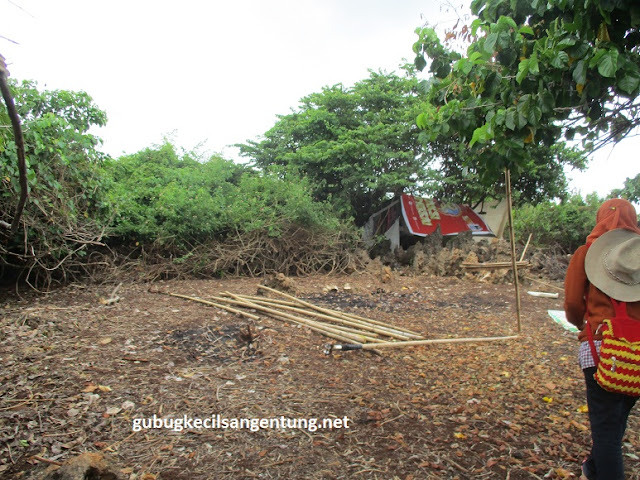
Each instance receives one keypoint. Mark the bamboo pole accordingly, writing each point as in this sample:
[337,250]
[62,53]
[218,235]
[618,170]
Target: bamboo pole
[340,314]
[214,304]
[415,343]
[525,247]
[492,265]
[512,237]
[362,326]
[368,334]
[303,321]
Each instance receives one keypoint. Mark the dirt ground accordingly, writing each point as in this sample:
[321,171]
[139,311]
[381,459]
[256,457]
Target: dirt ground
[78,372]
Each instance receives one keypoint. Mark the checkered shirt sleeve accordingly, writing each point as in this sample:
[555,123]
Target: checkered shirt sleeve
[585,358]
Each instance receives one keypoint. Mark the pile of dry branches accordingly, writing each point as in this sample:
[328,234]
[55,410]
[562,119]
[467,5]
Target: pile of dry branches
[296,252]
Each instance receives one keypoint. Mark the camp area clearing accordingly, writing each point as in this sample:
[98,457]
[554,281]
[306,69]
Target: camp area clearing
[78,370]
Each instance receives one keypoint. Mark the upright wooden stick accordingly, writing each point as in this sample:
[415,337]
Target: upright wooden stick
[512,238]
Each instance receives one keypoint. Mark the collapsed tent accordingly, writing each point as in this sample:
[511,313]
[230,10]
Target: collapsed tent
[415,216]
[424,215]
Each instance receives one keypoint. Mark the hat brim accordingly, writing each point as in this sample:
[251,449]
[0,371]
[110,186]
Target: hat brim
[598,275]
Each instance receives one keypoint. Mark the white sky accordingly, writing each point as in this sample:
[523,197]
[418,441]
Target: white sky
[219,72]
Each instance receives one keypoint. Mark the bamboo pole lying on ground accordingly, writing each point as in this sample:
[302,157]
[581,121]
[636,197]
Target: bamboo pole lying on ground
[342,314]
[492,265]
[332,318]
[214,304]
[343,328]
[304,321]
[412,343]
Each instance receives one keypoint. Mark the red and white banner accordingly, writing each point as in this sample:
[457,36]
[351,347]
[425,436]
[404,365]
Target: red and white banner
[424,215]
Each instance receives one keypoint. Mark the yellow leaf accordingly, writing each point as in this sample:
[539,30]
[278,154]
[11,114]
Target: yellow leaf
[104,388]
[529,138]
[547,399]
[583,409]
[459,435]
[90,389]
[579,88]
[603,33]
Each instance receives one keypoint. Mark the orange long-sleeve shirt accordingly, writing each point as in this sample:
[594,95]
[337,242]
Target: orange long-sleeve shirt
[576,287]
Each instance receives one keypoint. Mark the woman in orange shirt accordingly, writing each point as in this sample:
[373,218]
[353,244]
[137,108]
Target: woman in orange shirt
[616,259]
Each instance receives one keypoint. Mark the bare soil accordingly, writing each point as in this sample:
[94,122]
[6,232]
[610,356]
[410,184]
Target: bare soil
[77,372]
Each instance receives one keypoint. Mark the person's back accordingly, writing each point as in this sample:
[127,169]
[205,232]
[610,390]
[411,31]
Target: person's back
[607,267]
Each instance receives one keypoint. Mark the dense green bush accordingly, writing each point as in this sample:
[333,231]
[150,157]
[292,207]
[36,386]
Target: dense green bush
[66,212]
[564,225]
[171,200]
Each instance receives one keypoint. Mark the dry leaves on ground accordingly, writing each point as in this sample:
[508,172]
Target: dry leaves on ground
[77,373]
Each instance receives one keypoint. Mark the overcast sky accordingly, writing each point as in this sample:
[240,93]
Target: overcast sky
[218,72]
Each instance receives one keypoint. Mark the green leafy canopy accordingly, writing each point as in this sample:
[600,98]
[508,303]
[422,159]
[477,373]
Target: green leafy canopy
[537,72]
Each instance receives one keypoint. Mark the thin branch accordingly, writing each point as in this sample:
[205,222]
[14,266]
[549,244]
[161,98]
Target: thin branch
[19,140]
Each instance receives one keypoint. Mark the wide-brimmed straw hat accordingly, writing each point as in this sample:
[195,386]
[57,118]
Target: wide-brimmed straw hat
[613,264]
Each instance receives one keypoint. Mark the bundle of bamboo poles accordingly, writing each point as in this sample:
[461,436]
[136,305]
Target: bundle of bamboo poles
[341,326]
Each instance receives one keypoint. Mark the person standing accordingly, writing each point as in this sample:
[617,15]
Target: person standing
[606,267]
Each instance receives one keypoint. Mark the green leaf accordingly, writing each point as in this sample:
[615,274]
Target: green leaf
[608,63]
[546,101]
[534,115]
[480,134]
[490,42]
[630,82]
[523,70]
[421,121]
[506,23]
[526,30]
[580,73]
[533,64]
[420,62]
[510,119]
[560,60]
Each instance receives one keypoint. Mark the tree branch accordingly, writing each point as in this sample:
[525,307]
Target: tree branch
[19,140]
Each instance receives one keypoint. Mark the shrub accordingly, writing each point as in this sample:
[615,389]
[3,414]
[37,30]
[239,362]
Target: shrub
[174,201]
[564,225]
[66,211]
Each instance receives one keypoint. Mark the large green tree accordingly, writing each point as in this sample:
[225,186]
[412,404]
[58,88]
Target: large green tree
[357,146]
[536,72]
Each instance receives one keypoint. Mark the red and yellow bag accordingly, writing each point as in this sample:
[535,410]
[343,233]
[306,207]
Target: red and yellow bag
[618,365]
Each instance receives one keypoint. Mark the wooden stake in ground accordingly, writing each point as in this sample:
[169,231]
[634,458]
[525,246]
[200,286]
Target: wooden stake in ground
[512,238]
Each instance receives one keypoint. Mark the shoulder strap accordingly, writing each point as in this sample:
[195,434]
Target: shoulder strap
[619,308]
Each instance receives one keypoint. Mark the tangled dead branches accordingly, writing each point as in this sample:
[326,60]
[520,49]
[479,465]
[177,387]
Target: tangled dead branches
[297,252]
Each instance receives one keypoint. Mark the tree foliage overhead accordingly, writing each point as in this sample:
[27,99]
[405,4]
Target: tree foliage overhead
[535,72]
[357,146]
